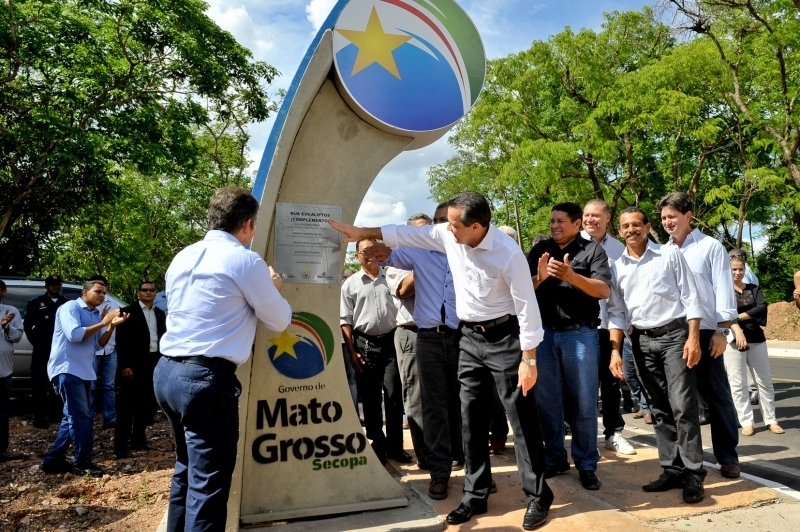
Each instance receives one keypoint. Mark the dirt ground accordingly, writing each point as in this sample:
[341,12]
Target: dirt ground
[132,495]
[783,322]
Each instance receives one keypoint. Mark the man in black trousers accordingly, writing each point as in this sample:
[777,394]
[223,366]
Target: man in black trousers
[40,319]
[137,356]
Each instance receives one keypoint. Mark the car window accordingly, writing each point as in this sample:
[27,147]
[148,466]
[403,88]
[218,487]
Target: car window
[18,296]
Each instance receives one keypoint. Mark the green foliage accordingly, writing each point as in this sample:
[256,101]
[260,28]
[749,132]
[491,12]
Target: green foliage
[778,261]
[92,89]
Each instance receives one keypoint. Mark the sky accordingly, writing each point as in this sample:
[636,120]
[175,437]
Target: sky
[280,31]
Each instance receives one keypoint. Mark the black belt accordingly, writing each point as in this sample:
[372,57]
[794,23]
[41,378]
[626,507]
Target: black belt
[441,329]
[219,364]
[410,327]
[374,339]
[655,332]
[572,327]
[483,326]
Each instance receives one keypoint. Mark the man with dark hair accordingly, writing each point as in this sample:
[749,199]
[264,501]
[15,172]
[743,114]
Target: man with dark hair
[105,367]
[711,268]
[437,355]
[80,330]
[217,291]
[40,319]
[138,357]
[596,217]
[570,275]
[500,328]
[368,317]
[653,295]
[11,330]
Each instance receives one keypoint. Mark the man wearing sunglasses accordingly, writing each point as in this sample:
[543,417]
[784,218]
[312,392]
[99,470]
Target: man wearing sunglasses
[138,355]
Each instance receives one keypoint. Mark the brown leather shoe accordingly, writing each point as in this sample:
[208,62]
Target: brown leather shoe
[438,488]
[730,470]
[648,418]
[638,414]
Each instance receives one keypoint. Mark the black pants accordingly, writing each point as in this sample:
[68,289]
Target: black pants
[136,406]
[672,394]
[609,388]
[437,359]
[45,401]
[379,383]
[715,390]
[488,359]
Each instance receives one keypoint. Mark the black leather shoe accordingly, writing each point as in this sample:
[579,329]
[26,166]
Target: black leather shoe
[493,488]
[402,457]
[464,512]
[730,470]
[551,471]
[666,482]
[535,516]
[87,469]
[589,480]
[8,457]
[693,490]
[438,488]
[56,466]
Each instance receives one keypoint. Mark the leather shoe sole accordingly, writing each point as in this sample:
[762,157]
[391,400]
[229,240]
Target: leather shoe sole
[464,513]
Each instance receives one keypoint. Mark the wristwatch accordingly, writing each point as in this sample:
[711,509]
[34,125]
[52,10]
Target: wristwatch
[723,332]
[529,361]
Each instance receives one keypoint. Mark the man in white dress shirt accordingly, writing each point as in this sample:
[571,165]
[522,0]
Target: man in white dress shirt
[501,327]
[653,296]
[712,273]
[217,291]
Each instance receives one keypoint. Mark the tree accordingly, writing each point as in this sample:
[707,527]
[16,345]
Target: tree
[91,90]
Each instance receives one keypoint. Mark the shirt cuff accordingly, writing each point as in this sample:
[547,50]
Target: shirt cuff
[727,315]
[530,339]
[694,312]
[617,323]
[389,233]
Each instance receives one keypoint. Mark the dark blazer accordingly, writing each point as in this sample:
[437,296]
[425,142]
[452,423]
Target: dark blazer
[40,320]
[133,338]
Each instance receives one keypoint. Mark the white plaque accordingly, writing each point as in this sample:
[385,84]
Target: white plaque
[306,247]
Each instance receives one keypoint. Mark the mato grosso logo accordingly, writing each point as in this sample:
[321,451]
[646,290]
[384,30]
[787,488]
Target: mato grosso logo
[304,349]
[414,65]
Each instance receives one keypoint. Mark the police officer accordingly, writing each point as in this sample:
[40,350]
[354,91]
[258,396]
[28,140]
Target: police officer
[40,319]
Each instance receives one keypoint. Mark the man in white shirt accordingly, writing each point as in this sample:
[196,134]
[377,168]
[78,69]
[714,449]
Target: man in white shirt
[711,268]
[217,291]
[501,327]
[105,367]
[596,217]
[653,296]
[10,333]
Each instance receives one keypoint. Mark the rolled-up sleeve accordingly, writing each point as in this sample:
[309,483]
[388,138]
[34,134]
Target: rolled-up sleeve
[687,288]
[346,305]
[260,293]
[15,328]
[617,311]
[517,276]
[70,316]
[722,279]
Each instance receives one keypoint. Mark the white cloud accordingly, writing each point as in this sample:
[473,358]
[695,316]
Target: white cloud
[318,10]
[380,209]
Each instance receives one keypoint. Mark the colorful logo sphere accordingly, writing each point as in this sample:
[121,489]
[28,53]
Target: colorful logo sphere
[412,65]
[304,349]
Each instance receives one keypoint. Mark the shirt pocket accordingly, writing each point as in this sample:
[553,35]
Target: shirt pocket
[485,285]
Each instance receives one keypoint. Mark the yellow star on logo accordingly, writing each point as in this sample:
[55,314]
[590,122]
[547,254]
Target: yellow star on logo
[285,344]
[374,45]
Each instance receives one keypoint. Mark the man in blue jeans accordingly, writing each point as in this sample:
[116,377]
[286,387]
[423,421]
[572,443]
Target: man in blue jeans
[570,275]
[105,367]
[217,290]
[76,338]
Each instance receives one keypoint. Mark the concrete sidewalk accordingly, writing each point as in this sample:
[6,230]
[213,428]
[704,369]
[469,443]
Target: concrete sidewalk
[783,349]
[730,505]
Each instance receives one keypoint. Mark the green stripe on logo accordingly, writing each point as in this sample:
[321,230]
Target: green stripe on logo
[322,329]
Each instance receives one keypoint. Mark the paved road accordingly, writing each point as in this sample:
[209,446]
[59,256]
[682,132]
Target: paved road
[766,455]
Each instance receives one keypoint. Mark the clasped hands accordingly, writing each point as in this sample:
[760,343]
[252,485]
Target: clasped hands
[113,318]
[549,266]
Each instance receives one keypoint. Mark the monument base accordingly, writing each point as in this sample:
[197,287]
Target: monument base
[324,510]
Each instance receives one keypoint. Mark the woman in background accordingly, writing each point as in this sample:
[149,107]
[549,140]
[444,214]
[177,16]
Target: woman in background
[750,349]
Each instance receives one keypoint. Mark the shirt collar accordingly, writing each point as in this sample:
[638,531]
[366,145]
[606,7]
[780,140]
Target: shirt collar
[144,307]
[218,235]
[488,239]
[83,304]
[381,273]
[651,247]
[691,235]
[587,236]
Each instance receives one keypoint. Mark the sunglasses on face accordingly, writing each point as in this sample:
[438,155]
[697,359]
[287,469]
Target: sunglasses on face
[440,220]
[147,290]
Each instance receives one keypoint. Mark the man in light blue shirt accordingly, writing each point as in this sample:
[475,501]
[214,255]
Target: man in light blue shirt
[76,338]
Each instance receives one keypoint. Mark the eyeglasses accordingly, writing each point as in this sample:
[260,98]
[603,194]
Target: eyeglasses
[442,220]
[147,290]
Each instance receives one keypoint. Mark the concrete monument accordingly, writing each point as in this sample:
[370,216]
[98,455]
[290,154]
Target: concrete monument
[380,77]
